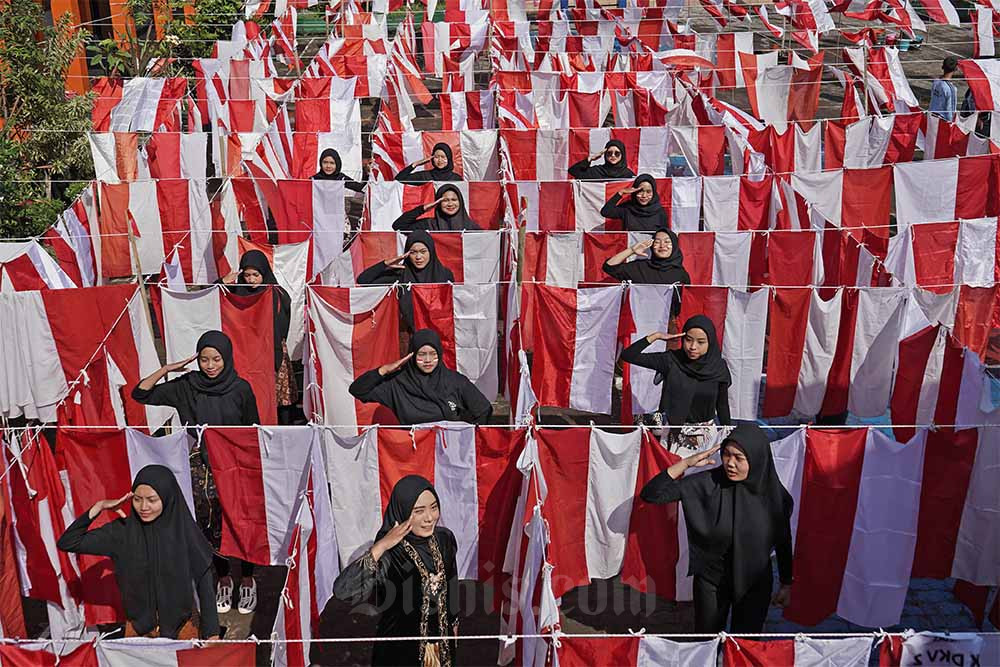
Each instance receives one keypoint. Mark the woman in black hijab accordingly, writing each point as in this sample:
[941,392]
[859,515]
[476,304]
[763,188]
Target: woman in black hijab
[419,388]
[736,515]
[643,211]
[664,266]
[158,554]
[255,271]
[449,214]
[213,395]
[419,263]
[442,167]
[330,166]
[412,572]
[615,165]
[695,381]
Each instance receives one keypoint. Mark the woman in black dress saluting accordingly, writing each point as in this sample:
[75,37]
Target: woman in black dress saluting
[442,167]
[412,571]
[615,166]
[449,214]
[642,211]
[736,515]
[664,266]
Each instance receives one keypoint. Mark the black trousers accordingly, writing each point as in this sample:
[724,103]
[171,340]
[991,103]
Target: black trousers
[712,604]
[222,567]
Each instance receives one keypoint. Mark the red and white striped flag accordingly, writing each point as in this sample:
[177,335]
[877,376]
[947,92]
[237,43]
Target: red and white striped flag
[26,266]
[387,200]
[636,651]
[162,652]
[799,652]
[71,242]
[139,104]
[475,152]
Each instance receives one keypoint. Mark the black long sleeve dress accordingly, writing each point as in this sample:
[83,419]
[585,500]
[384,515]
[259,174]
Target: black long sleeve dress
[398,585]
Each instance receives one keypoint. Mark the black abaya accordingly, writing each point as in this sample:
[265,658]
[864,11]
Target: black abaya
[584,171]
[155,563]
[441,222]
[637,217]
[408,175]
[398,587]
[338,175]
[416,397]
[655,271]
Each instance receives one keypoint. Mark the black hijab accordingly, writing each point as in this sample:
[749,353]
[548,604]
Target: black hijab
[401,501]
[613,171]
[335,176]
[686,373]
[447,173]
[435,386]
[452,223]
[653,208]
[676,259]
[160,560]
[752,517]
[434,271]
[281,304]
[225,381]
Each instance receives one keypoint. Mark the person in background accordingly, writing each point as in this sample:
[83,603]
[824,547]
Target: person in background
[419,388]
[695,381]
[664,265]
[330,166]
[412,572]
[213,395]
[615,166]
[944,95]
[419,264]
[160,558]
[449,214]
[736,515]
[442,167]
[642,211]
[255,272]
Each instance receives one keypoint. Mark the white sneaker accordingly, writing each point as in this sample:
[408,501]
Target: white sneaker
[248,598]
[223,598]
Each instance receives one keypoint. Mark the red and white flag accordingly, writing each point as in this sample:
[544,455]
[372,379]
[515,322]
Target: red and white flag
[574,368]
[262,476]
[26,266]
[71,239]
[327,104]
[475,152]
[139,104]
[290,264]
[38,654]
[983,77]
[162,652]
[799,652]
[635,652]
[468,110]
[387,200]
[247,320]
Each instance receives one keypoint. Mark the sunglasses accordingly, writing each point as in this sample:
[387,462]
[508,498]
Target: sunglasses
[612,152]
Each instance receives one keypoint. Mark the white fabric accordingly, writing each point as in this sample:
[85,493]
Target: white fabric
[721,202]
[563,259]
[817,355]
[170,451]
[873,355]
[458,492]
[352,468]
[846,652]
[789,456]
[808,147]
[685,203]
[199,241]
[186,316]
[594,348]
[823,191]
[159,652]
[611,477]
[661,652]
[877,573]
[973,266]
[328,221]
[979,531]
[290,265]
[731,259]
[481,257]
[743,349]
[925,191]
[931,649]
[285,456]
[32,382]
[475,322]
[650,306]
[479,155]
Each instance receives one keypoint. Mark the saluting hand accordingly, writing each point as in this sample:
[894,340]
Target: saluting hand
[659,335]
[628,191]
[701,459]
[179,365]
[397,262]
[434,203]
[109,504]
[391,539]
[641,247]
[231,277]
[421,162]
[598,154]
[385,369]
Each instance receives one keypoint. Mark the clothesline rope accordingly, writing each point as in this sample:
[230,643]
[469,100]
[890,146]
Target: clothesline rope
[509,427]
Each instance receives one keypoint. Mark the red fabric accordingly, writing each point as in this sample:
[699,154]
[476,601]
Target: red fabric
[305,152]
[975,317]
[249,208]
[790,258]
[234,455]
[224,655]
[175,221]
[292,210]
[521,146]
[903,139]
[558,213]
[976,79]
[974,597]
[96,461]
[312,105]
[584,109]
[164,151]
[652,548]
[709,301]
[116,255]
[890,651]
[597,248]
[789,320]
[755,202]
[564,455]
[11,609]
[834,143]
[699,255]
[453,139]
[712,150]
[590,651]
[23,274]
[867,197]
[950,383]
[486,203]
[434,308]
[247,322]
[948,459]
[914,352]
[838,382]
[65,256]
[403,452]
[934,255]
[552,368]
[831,478]
[498,484]
[108,94]
[748,653]
[82,656]
[972,192]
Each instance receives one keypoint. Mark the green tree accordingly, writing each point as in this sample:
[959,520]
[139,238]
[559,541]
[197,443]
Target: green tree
[43,141]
